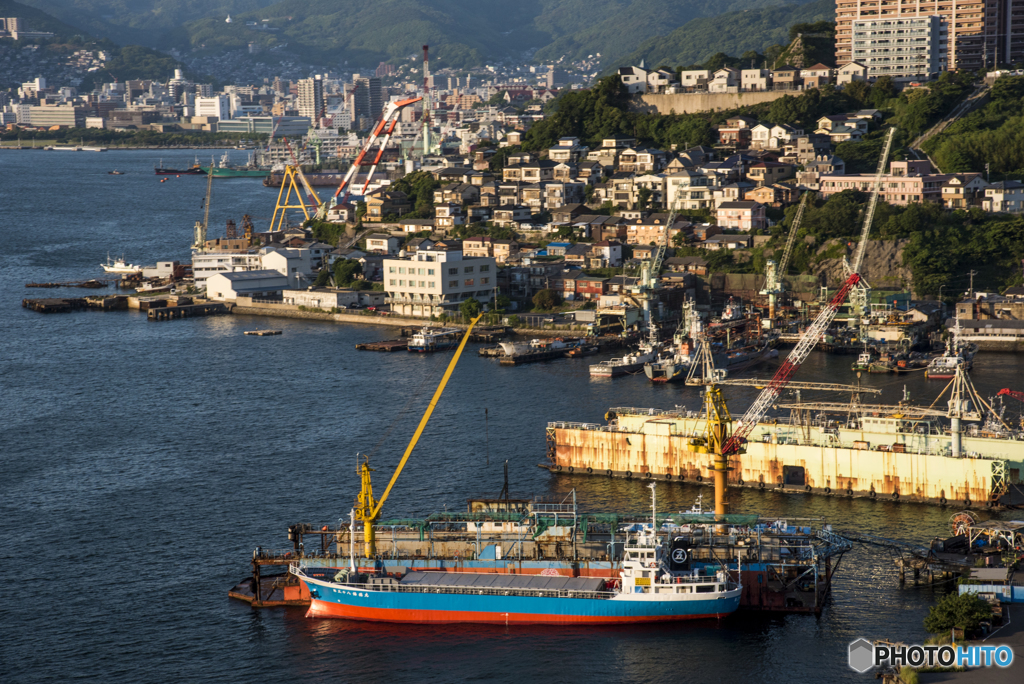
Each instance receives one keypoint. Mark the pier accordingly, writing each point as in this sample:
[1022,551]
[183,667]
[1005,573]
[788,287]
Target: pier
[384,345]
[54,305]
[170,313]
[532,357]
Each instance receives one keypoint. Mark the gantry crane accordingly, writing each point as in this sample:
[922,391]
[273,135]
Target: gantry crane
[388,120]
[775,273]
[814,332]
[294,181]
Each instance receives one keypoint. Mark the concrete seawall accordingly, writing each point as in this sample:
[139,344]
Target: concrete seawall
[288,311]
[695,103]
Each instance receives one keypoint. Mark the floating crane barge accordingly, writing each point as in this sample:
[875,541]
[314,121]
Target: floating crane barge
[787,565]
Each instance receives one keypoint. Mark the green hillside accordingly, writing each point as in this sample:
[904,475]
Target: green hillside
[637,22]
[463,32]
[734,34]
[154,23]
[37,20]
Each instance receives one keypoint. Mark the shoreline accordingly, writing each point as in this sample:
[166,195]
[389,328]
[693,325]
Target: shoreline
[388,321]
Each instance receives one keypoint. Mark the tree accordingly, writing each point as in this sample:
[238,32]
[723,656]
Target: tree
[546,299]
[323,278]
[469,309]
[643,197]
[346,270]
[963,611]
[514,321]
[501,303]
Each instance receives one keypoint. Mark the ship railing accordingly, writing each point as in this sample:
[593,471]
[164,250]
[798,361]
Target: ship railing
[635,411]
[596,427]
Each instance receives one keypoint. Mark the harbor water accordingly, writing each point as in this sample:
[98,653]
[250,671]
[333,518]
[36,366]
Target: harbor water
[141,463]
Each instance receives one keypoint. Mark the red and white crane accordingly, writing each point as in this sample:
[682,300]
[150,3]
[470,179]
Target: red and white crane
[1019,396]
[388,120]
[814,332]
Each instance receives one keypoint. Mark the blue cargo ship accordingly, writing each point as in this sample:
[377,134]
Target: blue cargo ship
[647,590]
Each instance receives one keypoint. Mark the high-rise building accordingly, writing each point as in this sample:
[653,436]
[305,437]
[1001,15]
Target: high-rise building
[978,33]
[311,98]
[367,99]
[907,48]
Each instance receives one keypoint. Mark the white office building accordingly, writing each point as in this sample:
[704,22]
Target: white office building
[434,282]
[218,106]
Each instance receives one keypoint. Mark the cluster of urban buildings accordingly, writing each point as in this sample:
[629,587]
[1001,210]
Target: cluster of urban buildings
[17,29]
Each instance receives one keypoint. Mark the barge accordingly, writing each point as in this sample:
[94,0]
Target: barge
[786,566]
[895,452]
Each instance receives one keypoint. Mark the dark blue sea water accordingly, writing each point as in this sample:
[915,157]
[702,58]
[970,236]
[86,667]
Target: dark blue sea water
[141,463]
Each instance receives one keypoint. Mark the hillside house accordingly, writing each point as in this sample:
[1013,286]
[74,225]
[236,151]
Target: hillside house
[743,215]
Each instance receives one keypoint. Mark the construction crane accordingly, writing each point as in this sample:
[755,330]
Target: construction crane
[200,229]
[859,297]
[368,508]
[774,274]
[814,332]
[388,120]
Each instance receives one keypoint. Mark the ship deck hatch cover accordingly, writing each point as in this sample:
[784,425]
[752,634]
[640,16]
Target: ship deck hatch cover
[793,475]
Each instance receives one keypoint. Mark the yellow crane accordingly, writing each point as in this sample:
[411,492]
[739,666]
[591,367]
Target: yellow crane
[367,507]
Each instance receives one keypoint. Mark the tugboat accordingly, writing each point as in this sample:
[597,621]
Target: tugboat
[434,339]
[863,362]
[957,353]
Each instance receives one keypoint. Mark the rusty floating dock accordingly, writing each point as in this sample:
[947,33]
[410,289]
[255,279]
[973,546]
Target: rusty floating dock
[54,305]
[532,357]
[94,283]
[384,345]
[170,313]
[262,333]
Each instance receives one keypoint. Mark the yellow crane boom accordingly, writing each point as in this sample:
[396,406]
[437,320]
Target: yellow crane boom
[369,508]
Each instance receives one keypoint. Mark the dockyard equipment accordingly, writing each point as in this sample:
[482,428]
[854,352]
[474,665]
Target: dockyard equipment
[200,231]
[774,273]
[388,119]
[368,508]
[1006,392]
[859,295]
[785,373]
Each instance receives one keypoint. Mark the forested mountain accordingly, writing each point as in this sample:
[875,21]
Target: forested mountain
[464,32]
[734,34]
[37,20]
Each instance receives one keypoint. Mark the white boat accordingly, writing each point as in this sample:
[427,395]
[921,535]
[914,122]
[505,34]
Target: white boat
[630,363]
[149,288]
[514,348]
[957,352]
[119,266]
[435,339]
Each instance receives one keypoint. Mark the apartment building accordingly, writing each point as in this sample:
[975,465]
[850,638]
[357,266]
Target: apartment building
[905,48]
[980,33]
[435,282]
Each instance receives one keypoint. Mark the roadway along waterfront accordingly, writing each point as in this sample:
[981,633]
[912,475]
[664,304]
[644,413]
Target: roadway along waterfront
[142,463]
